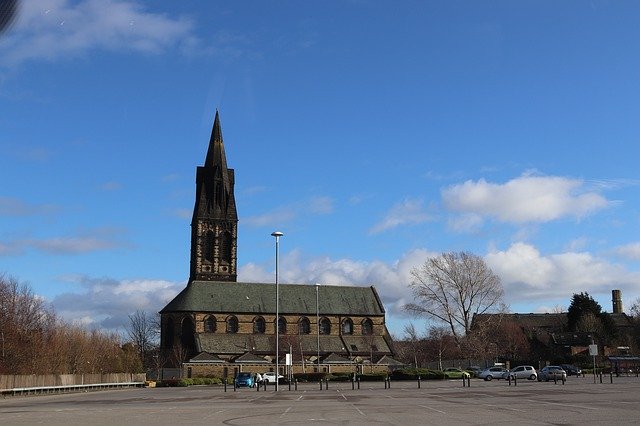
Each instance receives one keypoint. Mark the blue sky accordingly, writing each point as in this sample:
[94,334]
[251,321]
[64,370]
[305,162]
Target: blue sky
[372,133]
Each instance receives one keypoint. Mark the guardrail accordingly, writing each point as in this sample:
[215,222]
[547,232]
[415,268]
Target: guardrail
[39,390]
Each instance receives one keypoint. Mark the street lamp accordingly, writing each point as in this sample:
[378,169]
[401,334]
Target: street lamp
[318,324]
[277,235]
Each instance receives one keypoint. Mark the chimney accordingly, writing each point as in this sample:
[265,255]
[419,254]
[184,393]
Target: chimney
[616,298]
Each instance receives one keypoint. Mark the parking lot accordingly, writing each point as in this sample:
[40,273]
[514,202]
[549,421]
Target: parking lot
[579,401]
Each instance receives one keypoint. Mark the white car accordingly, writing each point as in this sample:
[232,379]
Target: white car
[491,373]
[521,372]
[270,377]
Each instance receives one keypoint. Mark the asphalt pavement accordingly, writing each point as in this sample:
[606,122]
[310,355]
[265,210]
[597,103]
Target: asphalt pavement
[579,402]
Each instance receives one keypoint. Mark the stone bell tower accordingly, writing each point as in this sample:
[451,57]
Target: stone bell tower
[214,226]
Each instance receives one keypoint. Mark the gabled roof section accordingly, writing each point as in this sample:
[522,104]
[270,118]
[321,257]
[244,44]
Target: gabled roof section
[260,298]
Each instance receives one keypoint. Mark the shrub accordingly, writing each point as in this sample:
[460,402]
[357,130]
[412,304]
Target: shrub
[414,373]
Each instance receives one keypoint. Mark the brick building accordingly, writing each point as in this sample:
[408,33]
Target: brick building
[217,326]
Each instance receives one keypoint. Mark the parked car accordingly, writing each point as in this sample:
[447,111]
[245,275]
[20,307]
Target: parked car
[474,370]
[521,372]
[571,370]
[491,373]
[552,372]
[455,373]
[270,377]
[244,380]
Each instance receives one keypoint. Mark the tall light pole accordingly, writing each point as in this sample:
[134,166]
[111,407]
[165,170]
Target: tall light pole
[318,324]
[277,235]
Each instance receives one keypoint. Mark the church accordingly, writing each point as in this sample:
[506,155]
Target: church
[218,326]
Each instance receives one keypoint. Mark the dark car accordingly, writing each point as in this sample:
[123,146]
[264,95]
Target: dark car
[244,380]
[571,370]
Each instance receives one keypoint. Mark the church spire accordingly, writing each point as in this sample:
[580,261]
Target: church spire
[214,223]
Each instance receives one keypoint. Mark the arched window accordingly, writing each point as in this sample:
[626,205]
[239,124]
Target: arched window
[325,326]
[225,246]
[209,246]
[367,327]
[186,333]
[232,324]
[168,333]
[304,326]
[210,324]
[282,325]
[259,325]
[347,326]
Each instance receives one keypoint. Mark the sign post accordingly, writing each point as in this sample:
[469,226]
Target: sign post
[593,351]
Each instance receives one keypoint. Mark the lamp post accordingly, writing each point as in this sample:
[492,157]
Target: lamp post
[277,235]
[318,324]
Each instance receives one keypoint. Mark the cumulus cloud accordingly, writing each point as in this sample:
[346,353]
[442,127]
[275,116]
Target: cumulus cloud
[527,274]
[49,29]
[407,212]
[525,199]
[106,302]
[390,279]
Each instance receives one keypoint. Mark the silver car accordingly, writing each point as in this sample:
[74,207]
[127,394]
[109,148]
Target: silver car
[491,373]
[521,372]
[552,372]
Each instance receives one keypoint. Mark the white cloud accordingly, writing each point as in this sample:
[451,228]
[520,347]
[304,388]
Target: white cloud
[391,280]
[15,207]
[106,302]
[49,29]
[524,199]
[527,274]
[318,205]
[408,212]
[629,251]
[97,239]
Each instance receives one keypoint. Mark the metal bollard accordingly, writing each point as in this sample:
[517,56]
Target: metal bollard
[225,384]
[555,379]
[464,382]
[257,387]
[265,385]
[358,380]
[468,381]
[353,384]
[385,382]
[611,377]
[418,382]
[320,381]
[563,380]
[296,384]
[389,380]
[326,384]
[289,384]
[601,377]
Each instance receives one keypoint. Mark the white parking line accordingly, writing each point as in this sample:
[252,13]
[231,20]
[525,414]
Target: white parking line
[431,408]
[582,407]
[357,409]
[286,411]
[503,407]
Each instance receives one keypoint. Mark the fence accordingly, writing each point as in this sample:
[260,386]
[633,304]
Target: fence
[66,382]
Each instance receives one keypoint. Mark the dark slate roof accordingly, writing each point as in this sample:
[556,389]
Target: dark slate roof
[206,358]
[334,358]
[260,298]
[250,358]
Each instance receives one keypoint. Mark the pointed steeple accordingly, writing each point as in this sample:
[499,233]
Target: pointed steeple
[214,223]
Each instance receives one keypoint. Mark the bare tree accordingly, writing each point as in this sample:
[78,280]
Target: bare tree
[143,331]
[453,288]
